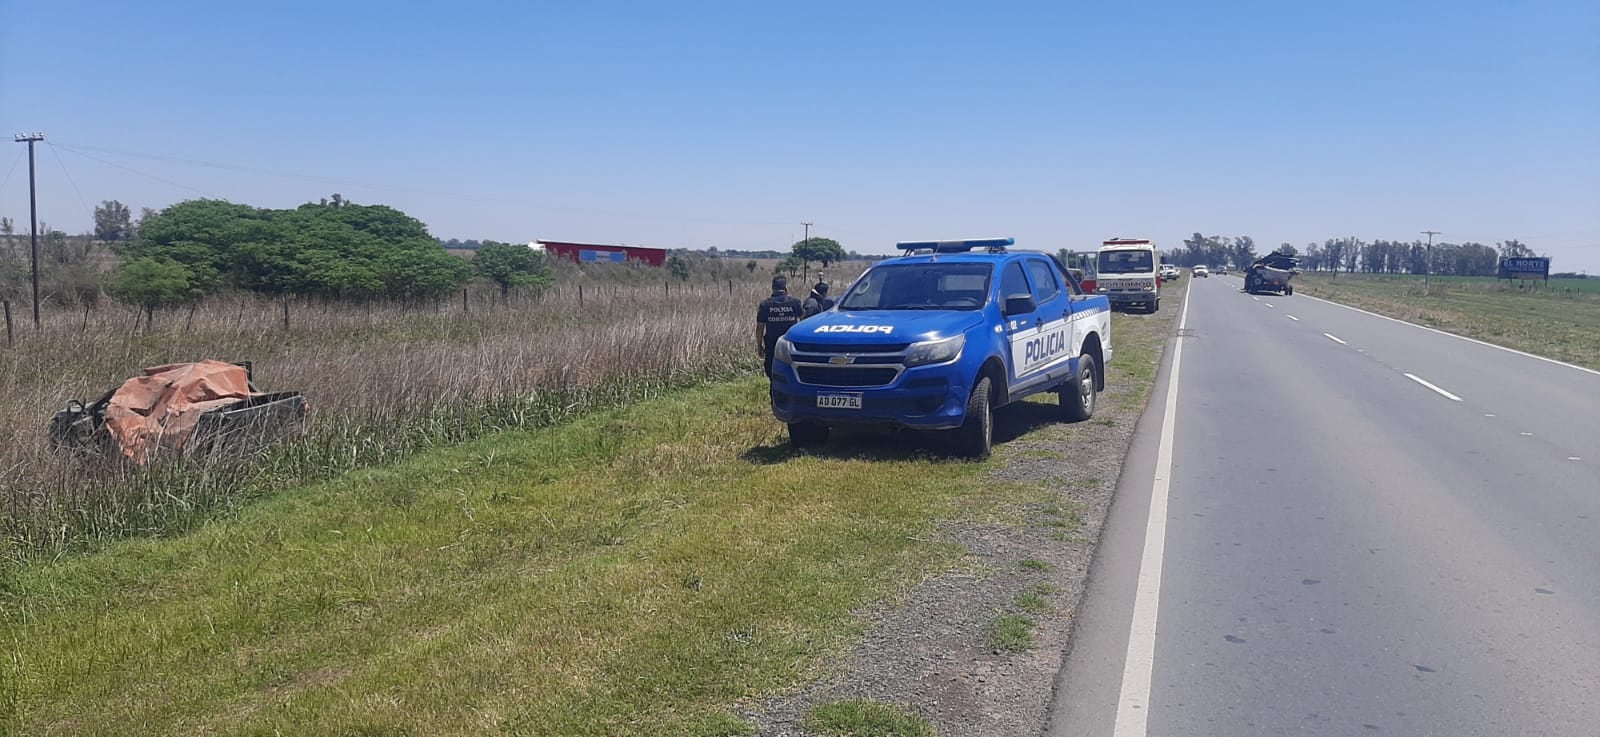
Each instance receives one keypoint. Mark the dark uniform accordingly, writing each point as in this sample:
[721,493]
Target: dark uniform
[778,313]
[819,301]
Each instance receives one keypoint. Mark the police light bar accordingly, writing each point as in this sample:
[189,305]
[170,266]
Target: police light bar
[992,244]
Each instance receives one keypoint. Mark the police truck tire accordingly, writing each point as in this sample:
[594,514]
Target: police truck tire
[1078,396]
[807,434]
[975,437]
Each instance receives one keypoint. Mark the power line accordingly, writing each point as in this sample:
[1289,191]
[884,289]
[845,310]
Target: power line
[11,170]
[79,149]
[203,193]
[87,210]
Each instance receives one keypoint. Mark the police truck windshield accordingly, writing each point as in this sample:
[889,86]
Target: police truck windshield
[1126,262]
[921,287]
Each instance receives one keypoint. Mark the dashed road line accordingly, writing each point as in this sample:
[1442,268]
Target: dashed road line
[1426,383]
[1292,317]
[1524,354]
[1334,338]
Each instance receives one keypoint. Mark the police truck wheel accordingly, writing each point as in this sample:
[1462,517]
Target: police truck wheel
[1155,307]
[975,437]
[807,434]
[1078,396]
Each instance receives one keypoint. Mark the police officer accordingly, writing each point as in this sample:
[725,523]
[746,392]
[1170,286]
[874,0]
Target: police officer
[819,301]
[774,317]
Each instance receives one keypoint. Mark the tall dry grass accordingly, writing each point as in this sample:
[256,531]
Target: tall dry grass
[382,380]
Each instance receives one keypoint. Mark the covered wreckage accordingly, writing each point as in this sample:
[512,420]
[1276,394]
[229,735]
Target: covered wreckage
[1271,273]
[193,407]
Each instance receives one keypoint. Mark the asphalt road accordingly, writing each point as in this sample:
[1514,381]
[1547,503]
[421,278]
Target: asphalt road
[1349,550]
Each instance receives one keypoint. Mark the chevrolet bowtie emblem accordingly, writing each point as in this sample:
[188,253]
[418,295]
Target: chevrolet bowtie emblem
[842,360]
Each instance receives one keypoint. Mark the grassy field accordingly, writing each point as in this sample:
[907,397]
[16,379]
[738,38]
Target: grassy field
[383,382]
[634,571]
[1549,322]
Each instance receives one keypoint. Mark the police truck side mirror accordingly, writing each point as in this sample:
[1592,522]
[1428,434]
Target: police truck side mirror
[1019,304]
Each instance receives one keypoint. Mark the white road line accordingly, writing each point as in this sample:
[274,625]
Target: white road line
[1462,337]
[1269,304]
[1424,382]
[1258,299]
[1334,338]
[1292,317]
[1574,458]
[1138,667]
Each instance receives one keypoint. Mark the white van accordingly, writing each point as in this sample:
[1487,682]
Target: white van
[1128,273]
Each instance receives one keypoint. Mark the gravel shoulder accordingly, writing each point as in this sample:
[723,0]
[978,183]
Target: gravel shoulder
[934,652]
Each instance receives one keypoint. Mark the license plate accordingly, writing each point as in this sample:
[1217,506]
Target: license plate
[839,401]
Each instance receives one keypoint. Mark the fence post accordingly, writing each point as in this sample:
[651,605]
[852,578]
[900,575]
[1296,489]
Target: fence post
[666,287]
[464,308]
[580,295]
[730,287]
[8,323]
[286,313]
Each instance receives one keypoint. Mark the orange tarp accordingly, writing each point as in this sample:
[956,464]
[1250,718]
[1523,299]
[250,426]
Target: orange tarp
[161,408]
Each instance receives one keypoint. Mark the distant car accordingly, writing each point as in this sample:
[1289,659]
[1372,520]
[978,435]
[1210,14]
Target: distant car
[1201,271]
[1170,272]
[1222,271]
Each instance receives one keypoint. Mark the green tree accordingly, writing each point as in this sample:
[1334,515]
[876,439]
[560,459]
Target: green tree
[792,264]
[151,283]
[1243,251]
[823,250]
[7,228]
[751,266]
[509,265]
[351,251]
[1515,249]
[678,267]
[113,221]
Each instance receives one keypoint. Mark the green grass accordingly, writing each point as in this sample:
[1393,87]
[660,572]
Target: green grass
[1012,633]
[1547,322]
[861,718]
[1036,599]
[1033,564]
[637,571]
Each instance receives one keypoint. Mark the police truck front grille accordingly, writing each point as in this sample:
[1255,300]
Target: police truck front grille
[856,360]
[852,348]
[846,375]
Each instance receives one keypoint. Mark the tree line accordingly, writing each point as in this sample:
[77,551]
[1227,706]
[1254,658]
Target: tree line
[328,249]
[1356,255]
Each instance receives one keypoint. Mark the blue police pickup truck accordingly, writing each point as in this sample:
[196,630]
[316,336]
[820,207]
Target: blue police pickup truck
[938,339]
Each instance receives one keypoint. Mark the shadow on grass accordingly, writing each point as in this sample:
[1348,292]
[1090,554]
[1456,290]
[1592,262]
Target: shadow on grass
[884,444]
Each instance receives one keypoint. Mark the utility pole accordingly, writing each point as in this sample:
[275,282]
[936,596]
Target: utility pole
[803,239]
[1427,268]
[33,218]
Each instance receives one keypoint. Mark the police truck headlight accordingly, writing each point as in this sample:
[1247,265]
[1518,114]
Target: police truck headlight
[782,351]
[935,351]
[1149,287]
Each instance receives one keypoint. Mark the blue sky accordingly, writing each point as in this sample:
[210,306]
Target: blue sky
[728,124]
